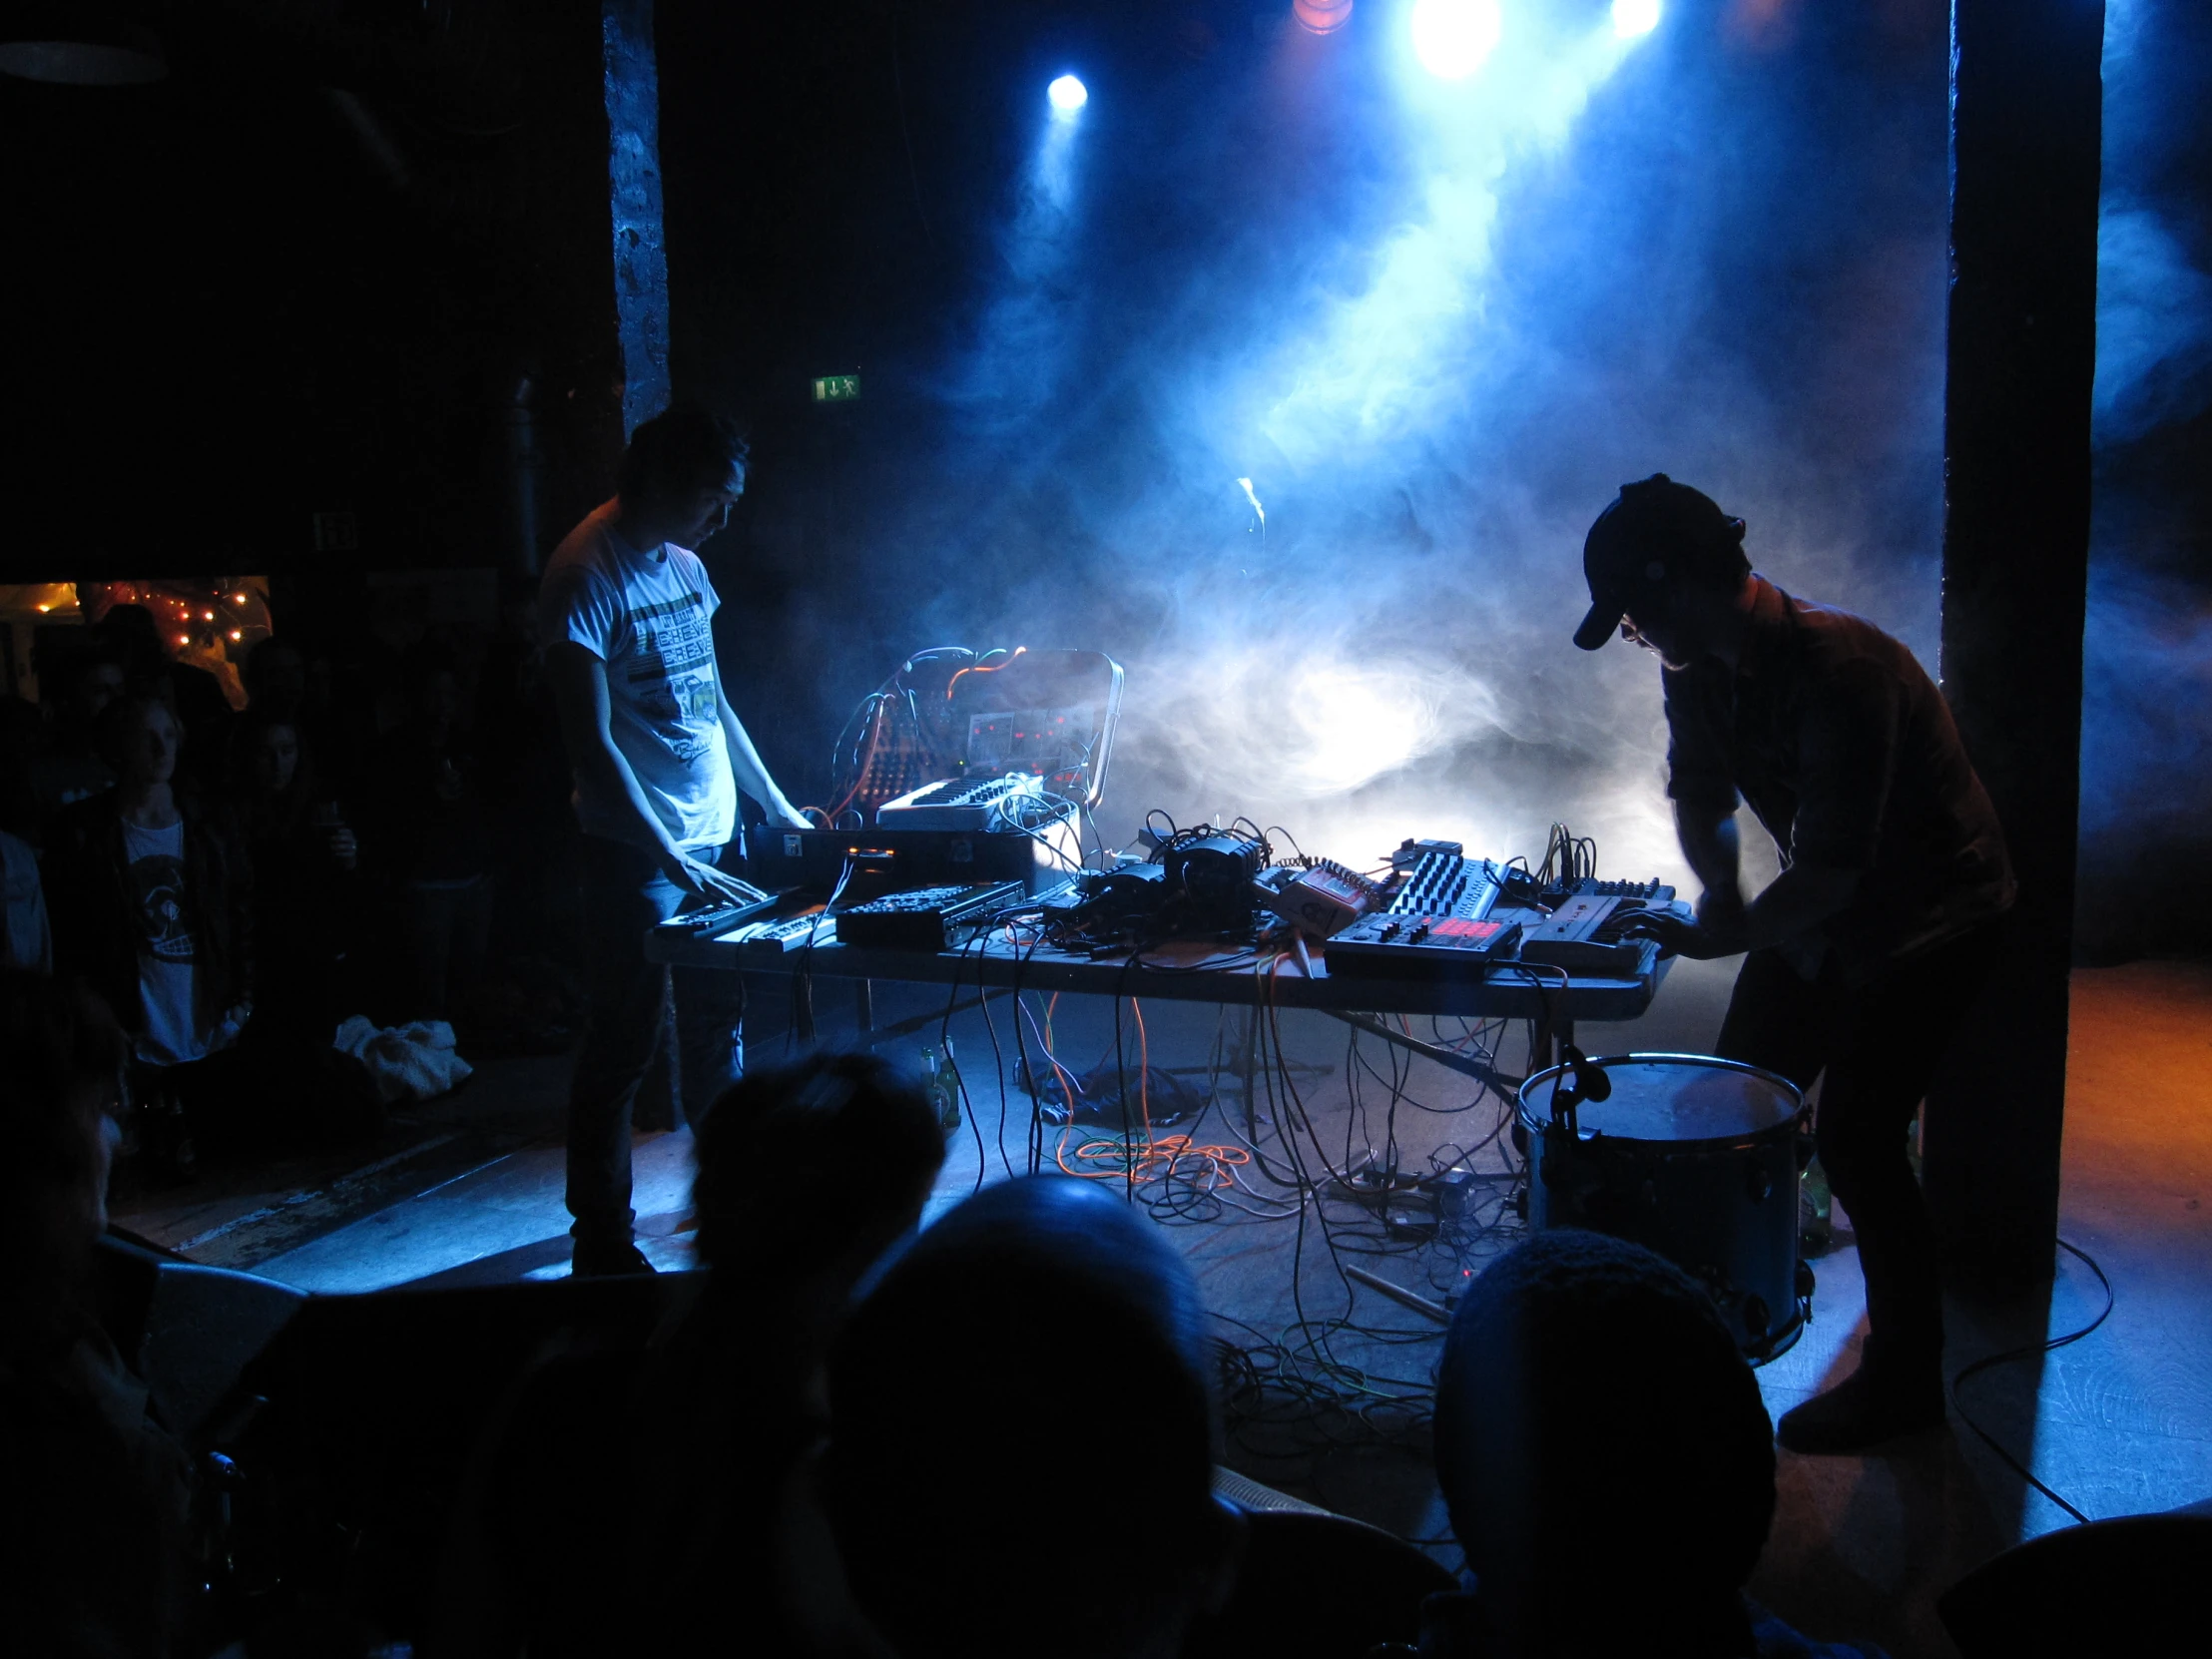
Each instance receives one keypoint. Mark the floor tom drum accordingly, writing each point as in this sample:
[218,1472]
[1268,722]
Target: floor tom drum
[1696,1158]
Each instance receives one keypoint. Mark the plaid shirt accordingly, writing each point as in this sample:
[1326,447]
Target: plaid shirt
[1841,745]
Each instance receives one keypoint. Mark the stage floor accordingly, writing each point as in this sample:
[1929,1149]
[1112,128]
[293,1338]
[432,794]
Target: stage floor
[469,1191]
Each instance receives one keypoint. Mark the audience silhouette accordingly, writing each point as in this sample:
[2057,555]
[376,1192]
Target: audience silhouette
[1023,1435]
[666,1470]
[1607,1462]
[98,1541]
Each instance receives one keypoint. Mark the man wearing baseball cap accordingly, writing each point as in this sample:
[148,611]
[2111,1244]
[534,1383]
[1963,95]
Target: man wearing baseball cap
[1862,958]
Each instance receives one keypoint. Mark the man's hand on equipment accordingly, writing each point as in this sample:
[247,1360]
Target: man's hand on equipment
[1793,905]
[694,877]
[790,816]
[1678,935]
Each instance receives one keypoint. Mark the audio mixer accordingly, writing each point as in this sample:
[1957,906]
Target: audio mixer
[1451,916]
[1441,883]
[1419,948]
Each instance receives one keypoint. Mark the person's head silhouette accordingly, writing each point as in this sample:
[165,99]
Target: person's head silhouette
[1604,1453]
[1023,1432]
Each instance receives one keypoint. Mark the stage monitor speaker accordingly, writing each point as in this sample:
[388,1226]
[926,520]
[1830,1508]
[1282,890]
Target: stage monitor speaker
[353,1430]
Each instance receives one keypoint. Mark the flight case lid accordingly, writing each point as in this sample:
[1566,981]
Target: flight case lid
[1048,712]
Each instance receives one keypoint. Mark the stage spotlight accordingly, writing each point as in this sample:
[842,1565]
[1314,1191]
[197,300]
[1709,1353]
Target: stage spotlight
[1321,17]
[1067,93]
[1635,17]
[1452,38]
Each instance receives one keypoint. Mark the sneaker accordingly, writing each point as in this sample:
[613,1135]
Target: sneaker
[607,1259]
[1861,1412]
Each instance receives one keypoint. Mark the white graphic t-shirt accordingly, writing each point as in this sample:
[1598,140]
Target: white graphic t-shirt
[646,615]
[168,951]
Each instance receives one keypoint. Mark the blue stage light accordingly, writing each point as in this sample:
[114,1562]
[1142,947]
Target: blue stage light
[1452,38]
[1635,17]
[1067,93]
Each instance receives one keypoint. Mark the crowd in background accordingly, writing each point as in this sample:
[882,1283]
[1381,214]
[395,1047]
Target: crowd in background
[379,833]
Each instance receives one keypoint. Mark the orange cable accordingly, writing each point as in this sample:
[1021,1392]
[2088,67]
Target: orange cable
[982,668]
[1069,1092]
[1144,1068]
[1155,1157]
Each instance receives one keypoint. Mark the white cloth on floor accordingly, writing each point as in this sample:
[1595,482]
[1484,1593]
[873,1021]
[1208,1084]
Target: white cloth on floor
[415,1059]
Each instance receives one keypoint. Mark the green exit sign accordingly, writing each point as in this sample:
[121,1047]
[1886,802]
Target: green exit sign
[837,388]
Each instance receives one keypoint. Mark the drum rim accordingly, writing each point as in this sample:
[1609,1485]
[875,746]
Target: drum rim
[1524,1111]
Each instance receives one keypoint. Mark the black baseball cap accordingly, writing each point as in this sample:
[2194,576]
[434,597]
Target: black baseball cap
[1654,535]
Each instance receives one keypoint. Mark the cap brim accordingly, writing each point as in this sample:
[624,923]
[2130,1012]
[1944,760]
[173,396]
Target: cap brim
[1598,626]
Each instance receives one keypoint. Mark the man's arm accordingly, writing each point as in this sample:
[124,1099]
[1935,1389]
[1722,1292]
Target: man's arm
[1846,741]
[1707,833]
[1800,898]
[579,682]
[749,771]
[1702,785]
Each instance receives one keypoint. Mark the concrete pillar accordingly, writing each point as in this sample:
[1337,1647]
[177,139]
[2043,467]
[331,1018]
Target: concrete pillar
[2027,116]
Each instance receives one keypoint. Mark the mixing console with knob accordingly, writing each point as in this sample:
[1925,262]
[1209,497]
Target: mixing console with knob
[1444,884]
[1418,945]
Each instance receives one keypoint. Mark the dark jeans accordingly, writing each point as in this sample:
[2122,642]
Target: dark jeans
[1878,1046]
[625,894]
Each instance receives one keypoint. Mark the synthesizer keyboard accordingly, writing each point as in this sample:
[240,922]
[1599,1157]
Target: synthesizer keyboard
[721,919]
[792,933]
[927,919]
[975,805]
[1654,893]
[1587,933]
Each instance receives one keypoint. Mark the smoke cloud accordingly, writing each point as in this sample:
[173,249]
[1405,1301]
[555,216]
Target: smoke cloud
[1303,373]
[2146,787]
[2154,344]
[1295,376]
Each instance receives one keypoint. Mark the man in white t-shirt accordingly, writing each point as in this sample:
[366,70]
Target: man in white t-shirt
[660,758]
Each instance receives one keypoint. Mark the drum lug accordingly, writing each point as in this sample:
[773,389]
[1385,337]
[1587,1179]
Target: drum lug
[1757,1319]
[1757,1184]
[1805,1281]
